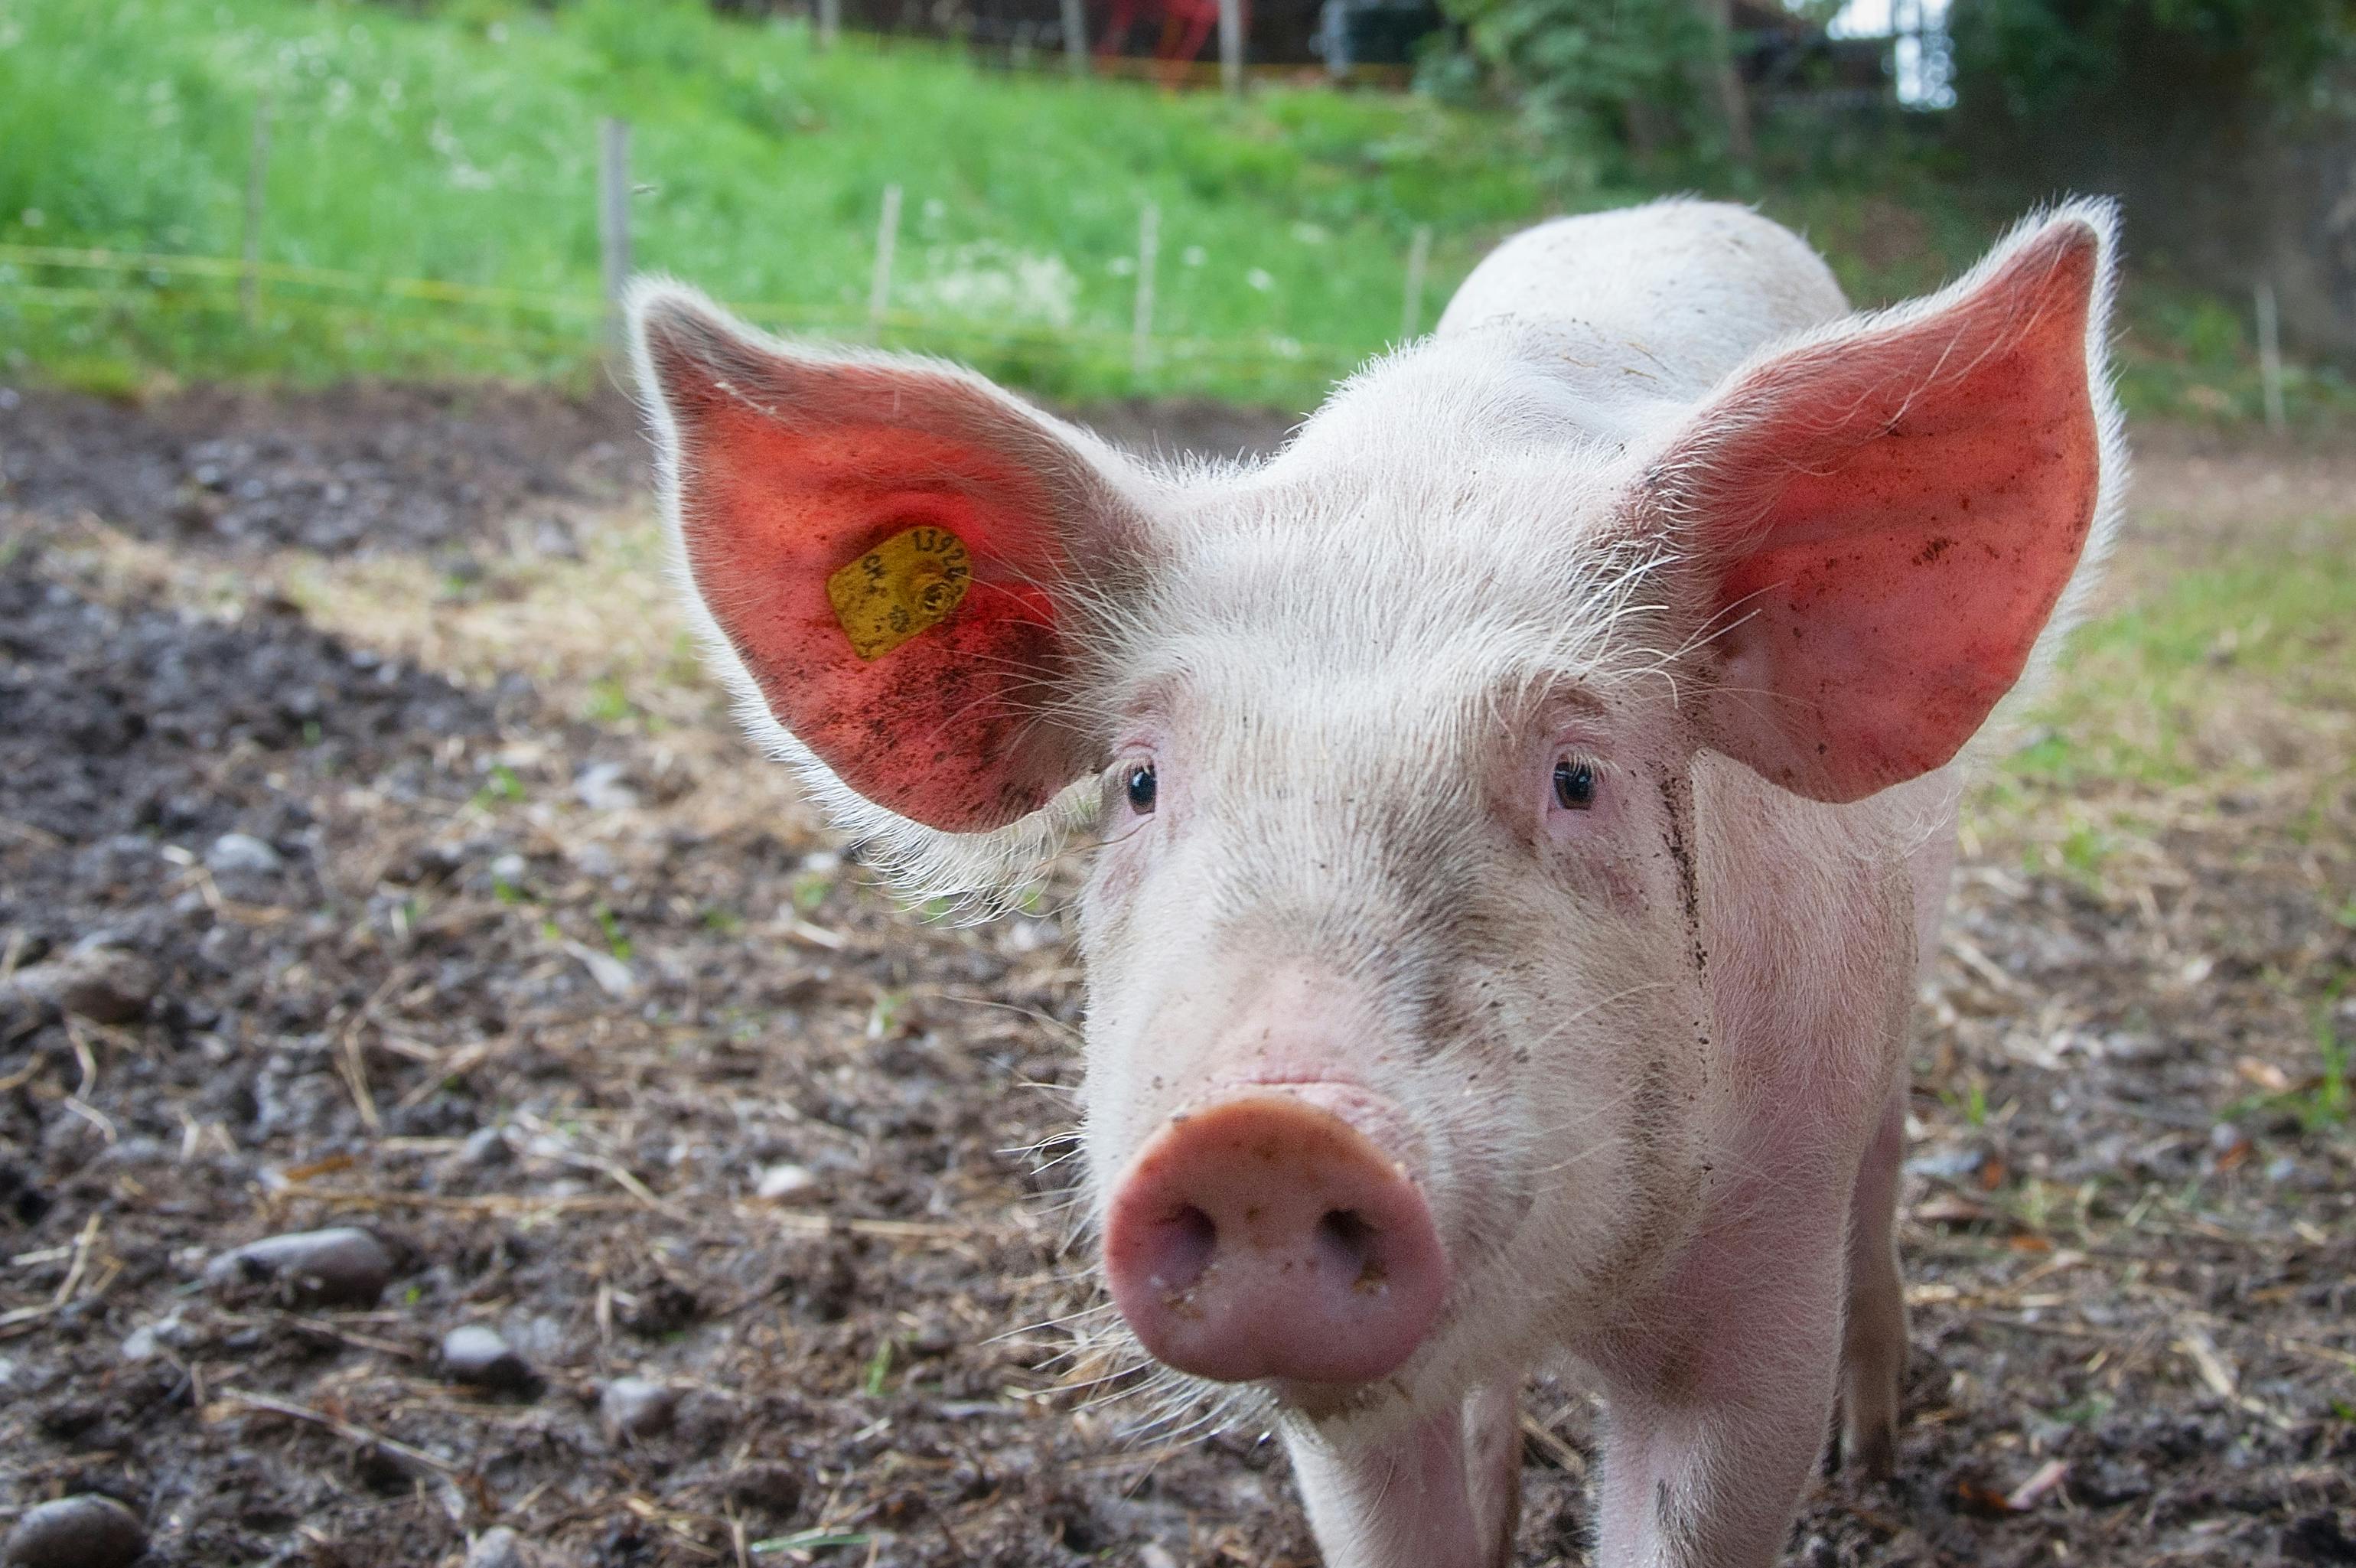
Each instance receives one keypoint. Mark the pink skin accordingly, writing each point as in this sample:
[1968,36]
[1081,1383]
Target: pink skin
[1411,1067]
[1263,1236]
[1443,1494]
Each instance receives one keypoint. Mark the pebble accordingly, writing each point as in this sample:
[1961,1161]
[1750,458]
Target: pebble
[86,1532]
[636,1407]
[600,787]
[233,852]
[475,1355]
[771,1488]
[1947,1165]
[499,1548]
[103,984]
[510,869]
[150,1341]
[485,1146]
[342,1267]
[594,860]
[786,1181]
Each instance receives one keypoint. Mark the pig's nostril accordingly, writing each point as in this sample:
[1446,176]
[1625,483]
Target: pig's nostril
[1347,1242]
[1183,1247]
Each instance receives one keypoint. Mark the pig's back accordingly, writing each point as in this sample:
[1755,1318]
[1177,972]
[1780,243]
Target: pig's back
[1672,295]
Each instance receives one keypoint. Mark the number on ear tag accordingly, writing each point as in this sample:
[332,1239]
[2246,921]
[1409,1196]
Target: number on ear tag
[905,586]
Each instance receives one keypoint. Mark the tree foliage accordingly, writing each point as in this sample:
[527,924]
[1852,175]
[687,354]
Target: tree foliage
[1599,74]
[2036,57]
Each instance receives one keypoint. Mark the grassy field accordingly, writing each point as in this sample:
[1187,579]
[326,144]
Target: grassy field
[459,147]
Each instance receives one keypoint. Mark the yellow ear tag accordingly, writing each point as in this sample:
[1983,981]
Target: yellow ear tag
[906,584]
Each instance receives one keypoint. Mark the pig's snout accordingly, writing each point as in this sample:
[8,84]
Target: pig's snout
[1265,1237]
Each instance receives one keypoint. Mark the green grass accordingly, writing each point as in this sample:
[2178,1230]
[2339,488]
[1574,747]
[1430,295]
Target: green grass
[459,145]
[2134,683]
[463,147]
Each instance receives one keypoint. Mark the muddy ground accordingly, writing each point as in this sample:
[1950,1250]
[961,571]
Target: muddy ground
[356,776]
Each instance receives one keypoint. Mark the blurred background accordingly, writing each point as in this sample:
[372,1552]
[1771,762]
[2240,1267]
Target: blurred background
[1061,192]
[384,886]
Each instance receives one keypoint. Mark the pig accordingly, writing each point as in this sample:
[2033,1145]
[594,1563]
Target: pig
[1515,818]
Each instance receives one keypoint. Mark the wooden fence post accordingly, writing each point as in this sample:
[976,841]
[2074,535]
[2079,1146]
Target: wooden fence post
[887,238]
[2270,365]
[257,175]
[1231,45]
[1076,37]
[613,222]
[1149,246]
[1418,259]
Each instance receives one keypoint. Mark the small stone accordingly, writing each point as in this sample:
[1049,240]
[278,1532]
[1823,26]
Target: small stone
[600,787]
[341,1267]
[636,1407]
[2224,1137]
[786,1181]
[1948,1164]
[86,1532]
[233,852]
[486,1147]
[510,870]
[150,1341]
[499,1548]
[595,859]
[767,1488]
[478,1356]
[551,536]
[103,984]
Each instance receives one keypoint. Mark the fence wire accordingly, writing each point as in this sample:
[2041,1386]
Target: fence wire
[564,325]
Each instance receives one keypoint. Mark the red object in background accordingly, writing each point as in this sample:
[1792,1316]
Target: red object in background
[1187,26]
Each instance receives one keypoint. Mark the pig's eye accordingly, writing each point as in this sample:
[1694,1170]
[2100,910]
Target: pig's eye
[1140,788]
[1574,784]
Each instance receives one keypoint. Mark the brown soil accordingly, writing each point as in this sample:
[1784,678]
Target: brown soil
[620,945]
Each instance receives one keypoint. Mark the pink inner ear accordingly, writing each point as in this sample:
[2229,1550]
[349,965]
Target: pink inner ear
[944,727]
[1907,508]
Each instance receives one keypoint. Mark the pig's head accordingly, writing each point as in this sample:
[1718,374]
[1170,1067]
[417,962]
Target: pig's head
[1383,752]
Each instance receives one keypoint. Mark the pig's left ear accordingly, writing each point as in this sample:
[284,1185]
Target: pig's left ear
[900,556]
[1883,520]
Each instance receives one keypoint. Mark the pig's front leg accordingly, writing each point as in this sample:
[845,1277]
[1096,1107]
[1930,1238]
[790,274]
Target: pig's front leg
[1713,1424]
[1873,1356]
[1445,1493]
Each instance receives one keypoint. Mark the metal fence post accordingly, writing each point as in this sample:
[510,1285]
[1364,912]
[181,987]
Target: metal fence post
[614,220]
[257,176]
[1231,45]
[2270,365]
[1418,259]
[830,23]
[887,237]
[1076,37]
[1149,246]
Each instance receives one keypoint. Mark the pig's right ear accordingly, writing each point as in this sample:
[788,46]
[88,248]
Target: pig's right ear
[897,553]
